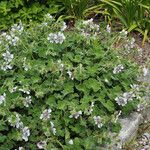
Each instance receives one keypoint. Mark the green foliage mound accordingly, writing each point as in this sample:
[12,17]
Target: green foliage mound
[11,11]
[61,89]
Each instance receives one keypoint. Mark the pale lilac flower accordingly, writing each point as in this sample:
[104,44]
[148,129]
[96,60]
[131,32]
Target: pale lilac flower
[53,129]
[76,115]
[41,144]
[70,142]
[14,41]
[60,38]
[8,37]
[129,96]
[6,66]
[25,133]
[46,114]
[15,121]
[27,101]
[17,28]
[98,121]
[118,69]
[56,38]
[91,109]
[51,37]
[70,74]
[25,91]
[2,98]
[8,56]
[121,101]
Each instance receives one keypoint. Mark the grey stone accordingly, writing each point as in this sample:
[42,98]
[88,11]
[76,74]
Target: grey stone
[129,127]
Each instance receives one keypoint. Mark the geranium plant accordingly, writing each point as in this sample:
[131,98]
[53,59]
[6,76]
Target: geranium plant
[61,88]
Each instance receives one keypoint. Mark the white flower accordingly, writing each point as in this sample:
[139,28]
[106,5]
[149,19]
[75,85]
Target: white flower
[98,121]
[125,98]
[121,100]
[70,142]
[6,66]
[123,33]
[108,28]
[14,40]
[11,90]
[129,96]
[17,28]
[118,69]
[46,114]
[145,71]
[25,133]
[70,74]
[91,109]
[76,115]
[61,65]
[89,28]
[21,148]
[56,38]
[4,34]
[25,91]
[41,144]
[60,38]
[8,37]
[27,101]
[53,129]
[2,98]
[87,22]
[49,16]
[135,87]
[64,26]
[8,56]
[15,121]
[51,37]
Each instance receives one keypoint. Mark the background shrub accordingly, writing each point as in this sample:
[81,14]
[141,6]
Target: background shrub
[60,89]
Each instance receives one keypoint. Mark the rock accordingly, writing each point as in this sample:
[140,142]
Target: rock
[146,115]
[129,127]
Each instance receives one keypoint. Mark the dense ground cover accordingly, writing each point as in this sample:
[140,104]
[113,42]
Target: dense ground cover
[59,87]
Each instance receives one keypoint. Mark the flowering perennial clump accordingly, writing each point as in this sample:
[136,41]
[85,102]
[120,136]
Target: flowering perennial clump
[60,90]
